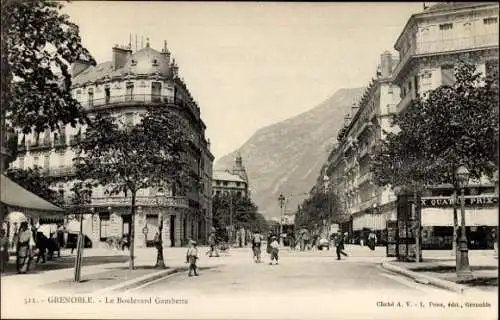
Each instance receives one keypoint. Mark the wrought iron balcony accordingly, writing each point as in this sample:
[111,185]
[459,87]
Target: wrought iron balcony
[135,99]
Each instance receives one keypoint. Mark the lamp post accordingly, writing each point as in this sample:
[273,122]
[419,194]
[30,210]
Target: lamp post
[84,196]
[326,181]
[463,269]
[281,199]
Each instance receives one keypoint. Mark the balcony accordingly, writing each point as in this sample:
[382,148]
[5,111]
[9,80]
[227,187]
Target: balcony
[44,144]
[136,99]
[367,204]
[59,172]
[146,201]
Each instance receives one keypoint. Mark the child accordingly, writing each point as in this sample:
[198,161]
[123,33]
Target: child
[275,247]
[191,257]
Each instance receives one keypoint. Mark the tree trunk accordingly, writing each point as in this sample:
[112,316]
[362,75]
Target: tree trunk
[160,262]
[132,232]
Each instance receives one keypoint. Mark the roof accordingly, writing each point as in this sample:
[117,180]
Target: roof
[14,195]
[146,61]
[226,176]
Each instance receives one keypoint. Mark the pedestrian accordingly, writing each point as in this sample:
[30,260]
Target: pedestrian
[372,240]
[191,257]
[24,248]
[60,236]
[41,246]
[339,242]
[274,248]
[212,244]
[256,245]
[4,249]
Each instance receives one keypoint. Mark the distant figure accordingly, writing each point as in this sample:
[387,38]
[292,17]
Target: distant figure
[292,241]
[372,240]
[24,248]
[256,244]
[191,257]
[212,243]
[41,245]
[60,236]
[125,242]
[274,248]
[339,243]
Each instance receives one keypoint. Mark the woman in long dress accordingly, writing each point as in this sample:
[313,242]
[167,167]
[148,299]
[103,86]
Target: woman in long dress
[23,248]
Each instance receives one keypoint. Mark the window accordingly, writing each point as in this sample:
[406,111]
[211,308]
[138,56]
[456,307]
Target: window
[35,160]
[134,62]
[416,85]
[129,91]
[104,228]
[446,26]
[447,75]
[91,97]
[155,62]
[491,20]
[21,162]
[107,92]
[224,183]
[156,91]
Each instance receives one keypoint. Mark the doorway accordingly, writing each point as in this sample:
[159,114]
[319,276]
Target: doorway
[172,230]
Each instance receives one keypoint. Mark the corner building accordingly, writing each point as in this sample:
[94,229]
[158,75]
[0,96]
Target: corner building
[126,87]
[429,46]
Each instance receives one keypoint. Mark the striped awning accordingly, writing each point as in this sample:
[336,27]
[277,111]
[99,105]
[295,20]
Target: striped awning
[443,217]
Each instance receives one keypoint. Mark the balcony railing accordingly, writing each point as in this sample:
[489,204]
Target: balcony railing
[136,99]
[146,201]
[59,172]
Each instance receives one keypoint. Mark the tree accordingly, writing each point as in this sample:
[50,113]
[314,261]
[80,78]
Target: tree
[451,126]
[244,211]
[318,207]
[38,45]
[33,180]
[128,158]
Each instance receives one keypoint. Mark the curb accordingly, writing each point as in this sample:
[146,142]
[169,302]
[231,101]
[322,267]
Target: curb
[426,279]
[127,285]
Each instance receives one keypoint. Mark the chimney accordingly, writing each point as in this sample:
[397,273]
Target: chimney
[386,64]
[79,66]
[120,56]
[165,52]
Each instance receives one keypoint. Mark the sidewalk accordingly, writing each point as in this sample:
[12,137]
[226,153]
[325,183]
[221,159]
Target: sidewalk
[110,267]
[439,268]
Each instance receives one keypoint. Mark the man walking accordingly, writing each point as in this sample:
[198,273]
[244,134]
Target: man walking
[339,242]
[191,257]
[256,242]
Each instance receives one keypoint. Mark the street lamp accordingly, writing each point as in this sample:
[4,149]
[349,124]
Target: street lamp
[281,199]
[326,181]
[463,269]
[84,196]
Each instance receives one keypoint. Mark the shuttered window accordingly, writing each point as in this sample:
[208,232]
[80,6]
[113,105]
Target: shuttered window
[447,75]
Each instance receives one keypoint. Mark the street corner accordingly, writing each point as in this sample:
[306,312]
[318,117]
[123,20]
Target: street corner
[137,278]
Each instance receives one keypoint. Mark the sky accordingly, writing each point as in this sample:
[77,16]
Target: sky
[251,64]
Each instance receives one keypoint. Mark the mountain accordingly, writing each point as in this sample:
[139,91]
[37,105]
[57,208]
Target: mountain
[287,157]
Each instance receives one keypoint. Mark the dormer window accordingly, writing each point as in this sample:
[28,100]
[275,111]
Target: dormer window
[446,26]
[155,62]
[134,62]
[491,20]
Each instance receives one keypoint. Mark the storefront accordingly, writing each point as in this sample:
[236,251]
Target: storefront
[481,219]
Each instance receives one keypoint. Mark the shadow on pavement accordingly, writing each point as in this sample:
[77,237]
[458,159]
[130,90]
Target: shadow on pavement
[62,263]
[450,269]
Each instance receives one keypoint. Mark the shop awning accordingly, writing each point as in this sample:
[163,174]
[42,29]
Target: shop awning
[443,217]
[13,195]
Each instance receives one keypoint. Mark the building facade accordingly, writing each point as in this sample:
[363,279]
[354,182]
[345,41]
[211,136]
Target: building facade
[430,45]
[126,87]
[348,167]
[233,181]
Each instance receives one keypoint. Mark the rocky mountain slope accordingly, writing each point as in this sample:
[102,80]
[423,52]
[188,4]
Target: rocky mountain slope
[287,157]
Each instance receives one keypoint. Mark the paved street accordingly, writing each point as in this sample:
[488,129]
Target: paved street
[297,271]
